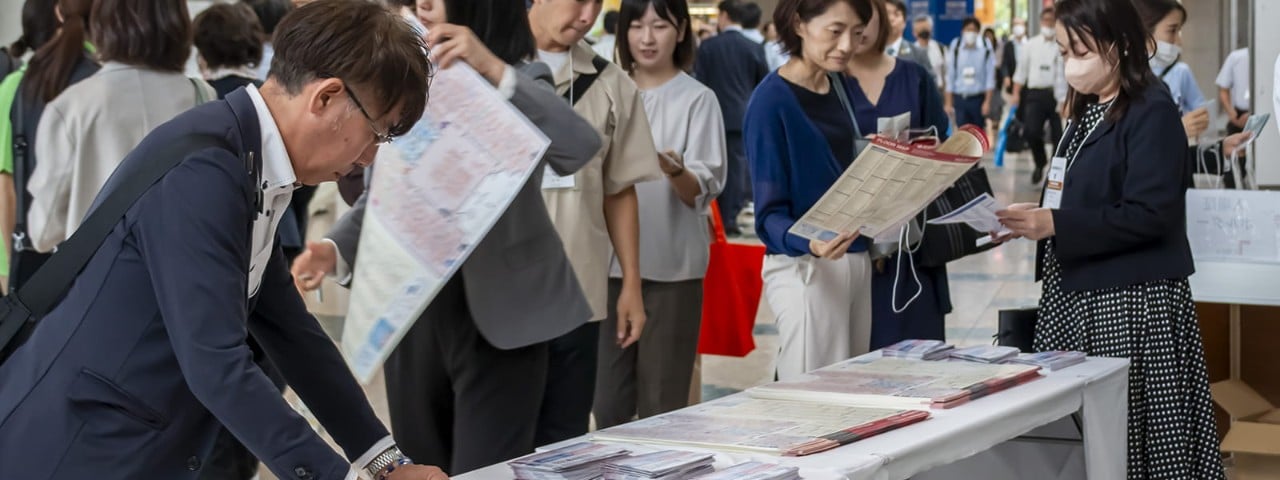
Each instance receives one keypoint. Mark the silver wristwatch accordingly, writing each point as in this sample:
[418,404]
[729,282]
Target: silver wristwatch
[387,457]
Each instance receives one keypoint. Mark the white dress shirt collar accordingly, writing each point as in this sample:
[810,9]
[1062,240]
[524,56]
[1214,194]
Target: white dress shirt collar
[277,167]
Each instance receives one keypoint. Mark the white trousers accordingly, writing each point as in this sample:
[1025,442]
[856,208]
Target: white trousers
[822,309]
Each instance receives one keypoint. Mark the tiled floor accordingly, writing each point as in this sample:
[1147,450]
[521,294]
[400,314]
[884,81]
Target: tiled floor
[981,285]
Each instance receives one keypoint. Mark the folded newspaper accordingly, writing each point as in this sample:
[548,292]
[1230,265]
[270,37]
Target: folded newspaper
[580,461]
[667,464]
[985,354]
[899,383]
[888,184]
[754,471]
[918,349]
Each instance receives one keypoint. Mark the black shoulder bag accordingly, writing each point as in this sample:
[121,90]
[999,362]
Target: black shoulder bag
[584,81]
[20,311]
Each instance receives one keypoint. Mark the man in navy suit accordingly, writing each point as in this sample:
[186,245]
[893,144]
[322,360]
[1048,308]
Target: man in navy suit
[731,65]
[134,372]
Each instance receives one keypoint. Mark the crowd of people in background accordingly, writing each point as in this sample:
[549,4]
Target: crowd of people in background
[652,123]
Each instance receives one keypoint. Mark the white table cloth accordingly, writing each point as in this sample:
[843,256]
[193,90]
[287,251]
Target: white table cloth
[978,431]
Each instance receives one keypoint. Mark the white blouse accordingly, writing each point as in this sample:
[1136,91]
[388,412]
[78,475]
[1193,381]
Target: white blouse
[674,238]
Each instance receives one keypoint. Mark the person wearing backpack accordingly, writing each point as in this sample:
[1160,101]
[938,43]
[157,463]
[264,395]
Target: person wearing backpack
[971,80]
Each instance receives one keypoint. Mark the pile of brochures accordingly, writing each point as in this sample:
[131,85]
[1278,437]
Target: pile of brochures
[985,354]
[754,471]
[668,464]
[580,461]
[1054,360]
[918,350]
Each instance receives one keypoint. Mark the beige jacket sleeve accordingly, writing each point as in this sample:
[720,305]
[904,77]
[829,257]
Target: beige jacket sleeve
[50,182]
[632,157]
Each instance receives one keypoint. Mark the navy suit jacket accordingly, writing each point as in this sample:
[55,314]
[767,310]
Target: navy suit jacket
[131,375]
[731,65]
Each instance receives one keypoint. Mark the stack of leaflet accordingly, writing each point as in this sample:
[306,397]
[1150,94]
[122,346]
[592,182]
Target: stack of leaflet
[985,354]
[898,383]
[754,471]
[669,464]
[918,349]
[580,461]
[1054,360]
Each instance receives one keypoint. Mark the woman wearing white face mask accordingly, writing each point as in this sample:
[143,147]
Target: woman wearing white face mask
[1113,253]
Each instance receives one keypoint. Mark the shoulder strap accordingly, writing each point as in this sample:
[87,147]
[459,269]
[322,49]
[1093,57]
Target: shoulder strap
[200,96]
[1168,69]
[584,81]
[21,153]
[52,281]
[837,84]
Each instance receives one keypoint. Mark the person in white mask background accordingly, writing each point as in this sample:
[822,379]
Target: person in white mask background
[1164,19]
[1113,253]
[1039,86]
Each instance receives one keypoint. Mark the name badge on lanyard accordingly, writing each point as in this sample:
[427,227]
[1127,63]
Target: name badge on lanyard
[1056,183]
[553,181]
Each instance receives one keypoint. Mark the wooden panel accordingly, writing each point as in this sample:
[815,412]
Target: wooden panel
[1260,350]
[1215,329]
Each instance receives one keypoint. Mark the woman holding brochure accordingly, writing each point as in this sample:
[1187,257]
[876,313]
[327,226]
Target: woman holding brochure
[798,144]
[908,300]
[652,376]
[1113,254]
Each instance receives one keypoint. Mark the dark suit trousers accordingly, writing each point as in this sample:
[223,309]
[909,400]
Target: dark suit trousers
[457,401]
[737,182]
[571,385]
[969,110]
[1039,106]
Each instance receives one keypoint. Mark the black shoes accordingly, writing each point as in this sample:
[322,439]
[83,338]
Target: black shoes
[1037,175]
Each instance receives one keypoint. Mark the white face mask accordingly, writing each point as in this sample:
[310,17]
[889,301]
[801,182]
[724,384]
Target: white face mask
[1019,30]
[1088,75]
[969,38]
[1166,55]
[1048,32]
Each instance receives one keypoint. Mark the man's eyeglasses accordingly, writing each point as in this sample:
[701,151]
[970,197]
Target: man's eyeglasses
[380,137]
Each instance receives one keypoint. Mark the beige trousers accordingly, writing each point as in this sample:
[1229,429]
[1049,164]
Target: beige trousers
[822,309]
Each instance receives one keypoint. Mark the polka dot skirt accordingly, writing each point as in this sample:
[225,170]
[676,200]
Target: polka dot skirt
[1172,434]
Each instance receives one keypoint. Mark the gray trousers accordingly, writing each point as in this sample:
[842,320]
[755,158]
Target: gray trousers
[653,375]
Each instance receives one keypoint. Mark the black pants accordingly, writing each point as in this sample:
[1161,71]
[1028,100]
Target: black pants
[969,110]
[1038,106]
[457,401]
[737,182]
[1232,129]
[570,385]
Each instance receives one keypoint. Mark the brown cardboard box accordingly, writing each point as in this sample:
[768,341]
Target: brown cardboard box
[1254,437]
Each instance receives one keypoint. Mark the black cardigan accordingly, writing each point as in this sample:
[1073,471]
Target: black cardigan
[1123,215]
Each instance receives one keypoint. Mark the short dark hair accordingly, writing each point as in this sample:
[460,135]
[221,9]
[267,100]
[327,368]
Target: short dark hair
[732,8]
[971,20]
[611,22]
[269,14]
[360,43]
[751,15]
[228,35]
[789,13]
[898,4]
[1119,37]
[502,25]
[676,12]
[1153,11]
[1048,11]
[403,3]
[147,33]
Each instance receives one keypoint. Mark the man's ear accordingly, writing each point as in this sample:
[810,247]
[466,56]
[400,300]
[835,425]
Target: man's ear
[324,95]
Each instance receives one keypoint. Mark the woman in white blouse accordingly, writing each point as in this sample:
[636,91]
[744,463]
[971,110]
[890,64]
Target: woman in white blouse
[92,125]
[656,45]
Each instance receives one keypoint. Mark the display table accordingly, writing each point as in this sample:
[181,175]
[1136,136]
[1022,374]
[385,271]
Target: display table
[1098,389]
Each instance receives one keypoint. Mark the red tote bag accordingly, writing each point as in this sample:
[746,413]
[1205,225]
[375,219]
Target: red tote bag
[731,294]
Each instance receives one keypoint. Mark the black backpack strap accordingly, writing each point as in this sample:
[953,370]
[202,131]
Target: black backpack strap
[22,150]
[47,286]
[585,81]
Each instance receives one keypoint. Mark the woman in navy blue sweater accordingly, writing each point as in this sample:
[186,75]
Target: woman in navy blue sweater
[908,300]
[799,140]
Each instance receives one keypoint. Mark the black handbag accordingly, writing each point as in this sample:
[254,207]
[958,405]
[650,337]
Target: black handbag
[20,310]
[1017,328]
[944,243]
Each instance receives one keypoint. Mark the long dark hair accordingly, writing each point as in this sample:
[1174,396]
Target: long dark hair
[1119,37]
[674,11]
[50,70]
[503,26]
[38,26]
